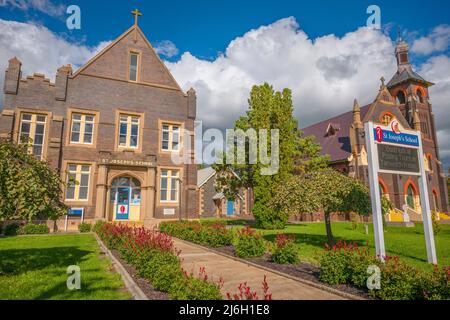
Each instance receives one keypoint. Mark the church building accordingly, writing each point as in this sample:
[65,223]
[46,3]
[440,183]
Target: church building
[404,98]
[110,129]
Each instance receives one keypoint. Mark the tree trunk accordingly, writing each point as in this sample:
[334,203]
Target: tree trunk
[328,228]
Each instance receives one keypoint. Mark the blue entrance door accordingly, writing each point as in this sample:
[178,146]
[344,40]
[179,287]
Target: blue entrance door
[123,204]
[230,207]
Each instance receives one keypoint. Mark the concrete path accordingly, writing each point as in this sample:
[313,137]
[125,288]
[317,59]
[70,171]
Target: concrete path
[235,272]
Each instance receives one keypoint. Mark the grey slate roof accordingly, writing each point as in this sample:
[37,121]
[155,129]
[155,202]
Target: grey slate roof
[337,145]
[406,74]
[203,175]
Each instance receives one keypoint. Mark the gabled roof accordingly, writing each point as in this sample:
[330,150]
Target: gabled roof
[406,75]
[336,145]
[139,32]
[204,175]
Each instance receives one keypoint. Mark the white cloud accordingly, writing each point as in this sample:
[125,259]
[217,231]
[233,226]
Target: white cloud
[437,41]
[44,6]
[39,49]
[166,48]
[325,74]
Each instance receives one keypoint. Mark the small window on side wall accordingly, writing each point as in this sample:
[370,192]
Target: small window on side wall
[134,65]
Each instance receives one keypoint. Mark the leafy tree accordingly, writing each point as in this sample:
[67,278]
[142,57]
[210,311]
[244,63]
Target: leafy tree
[326,190]
[269,109]
[29,188]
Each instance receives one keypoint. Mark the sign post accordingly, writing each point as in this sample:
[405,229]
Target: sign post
[391,149]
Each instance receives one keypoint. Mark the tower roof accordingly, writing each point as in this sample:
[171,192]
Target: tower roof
[407,75]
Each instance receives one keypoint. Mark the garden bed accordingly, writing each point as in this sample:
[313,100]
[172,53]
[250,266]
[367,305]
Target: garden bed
[301,270]
[144,285]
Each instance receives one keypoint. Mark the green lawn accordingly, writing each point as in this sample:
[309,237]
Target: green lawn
[408,243]
[35,268]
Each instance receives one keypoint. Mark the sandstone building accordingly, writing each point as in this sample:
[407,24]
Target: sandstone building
[111,126]
[405,98]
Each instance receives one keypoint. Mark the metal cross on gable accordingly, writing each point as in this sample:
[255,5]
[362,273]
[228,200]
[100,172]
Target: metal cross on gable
[136,14]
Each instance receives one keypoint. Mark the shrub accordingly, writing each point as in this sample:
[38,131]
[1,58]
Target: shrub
[34,229]
[435,222]
[345,263]
[85,227]
[268,218]
[155,258]
[285,250]
[192,288]
[210,234]
[11,229]
[249,243]
[246,293]
[348,264]
[98,225]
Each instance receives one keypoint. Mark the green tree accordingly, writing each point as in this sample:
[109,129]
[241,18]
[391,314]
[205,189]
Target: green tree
[270,109]
[29,188]
[323,190]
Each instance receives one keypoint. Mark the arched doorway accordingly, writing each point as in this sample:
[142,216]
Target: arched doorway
[126,198]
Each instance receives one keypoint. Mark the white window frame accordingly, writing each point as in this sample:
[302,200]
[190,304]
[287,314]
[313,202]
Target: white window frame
[83,122]
[32,133]
[170,129]
[78,173]
[130,120]
[173,184]
[132,53]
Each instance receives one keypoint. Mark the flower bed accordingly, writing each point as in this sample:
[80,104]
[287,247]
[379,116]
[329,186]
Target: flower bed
[346,263]
[211,234]
[154,256]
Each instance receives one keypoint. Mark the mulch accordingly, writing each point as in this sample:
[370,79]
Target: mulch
[301,270]
[143,284]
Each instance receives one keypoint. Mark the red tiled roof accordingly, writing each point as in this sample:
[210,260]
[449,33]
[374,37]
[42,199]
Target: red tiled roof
[337,145]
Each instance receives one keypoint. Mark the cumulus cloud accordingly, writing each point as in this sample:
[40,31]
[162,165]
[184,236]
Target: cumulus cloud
[437,70]
[39,49]
[44,6]
[325,74]
[166,48]
[437,41]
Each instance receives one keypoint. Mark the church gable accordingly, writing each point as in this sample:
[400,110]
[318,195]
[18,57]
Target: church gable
[114,61]
[384,108]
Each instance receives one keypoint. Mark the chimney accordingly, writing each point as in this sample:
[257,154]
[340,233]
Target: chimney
[12,76]
[61,82]
[192,103]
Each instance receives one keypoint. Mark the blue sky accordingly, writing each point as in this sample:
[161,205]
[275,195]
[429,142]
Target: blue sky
[319,49]
[205,28]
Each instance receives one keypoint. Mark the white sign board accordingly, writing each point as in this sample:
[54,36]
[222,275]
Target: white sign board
[392,149]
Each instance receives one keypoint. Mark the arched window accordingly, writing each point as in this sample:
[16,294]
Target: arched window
[383,190]
[435,201]
[401,97]
[386,118]
[419,96]
[130,183]
[430,163]
[410,195]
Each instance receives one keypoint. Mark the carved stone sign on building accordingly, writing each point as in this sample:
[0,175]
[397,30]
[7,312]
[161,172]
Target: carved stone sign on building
[123,162]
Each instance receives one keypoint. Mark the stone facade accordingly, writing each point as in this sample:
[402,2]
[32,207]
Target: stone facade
[215,204]
[406,99]
[104,91]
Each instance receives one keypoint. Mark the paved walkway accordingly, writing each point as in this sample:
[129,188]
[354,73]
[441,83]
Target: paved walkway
[235,272]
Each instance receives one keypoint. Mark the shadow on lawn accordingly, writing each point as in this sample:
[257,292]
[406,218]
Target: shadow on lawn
[17,261]
[315,240]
